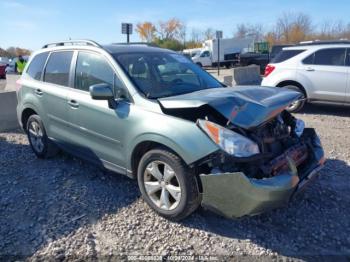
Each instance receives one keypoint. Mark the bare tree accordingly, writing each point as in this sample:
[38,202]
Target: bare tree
[333,30]
[248,30]
[293,28]
[209,33]
[195,35]
[182,34]
[241,30]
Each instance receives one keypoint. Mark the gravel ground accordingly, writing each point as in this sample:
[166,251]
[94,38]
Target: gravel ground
[66,209]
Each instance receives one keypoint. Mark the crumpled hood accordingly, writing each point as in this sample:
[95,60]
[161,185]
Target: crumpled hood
[245,107]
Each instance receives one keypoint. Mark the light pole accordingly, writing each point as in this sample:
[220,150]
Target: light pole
[218,37]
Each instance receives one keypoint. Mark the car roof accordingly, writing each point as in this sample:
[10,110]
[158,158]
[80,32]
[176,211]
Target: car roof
[115,48]
[133,48]
[316,46]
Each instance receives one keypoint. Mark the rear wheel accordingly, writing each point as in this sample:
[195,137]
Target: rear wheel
[167,184]
[41,145]
[199,64]
[299,104]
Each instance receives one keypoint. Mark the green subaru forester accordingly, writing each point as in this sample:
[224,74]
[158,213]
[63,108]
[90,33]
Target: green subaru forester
[152,114]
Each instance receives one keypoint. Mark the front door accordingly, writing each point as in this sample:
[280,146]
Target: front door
[326,74]
[205,58]
[97,130]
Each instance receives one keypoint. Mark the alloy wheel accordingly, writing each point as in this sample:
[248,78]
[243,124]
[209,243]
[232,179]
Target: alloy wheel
[162,185]
[36,136]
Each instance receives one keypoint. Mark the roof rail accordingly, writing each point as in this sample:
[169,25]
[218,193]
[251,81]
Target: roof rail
[137,43]
[324,42]
[73,42]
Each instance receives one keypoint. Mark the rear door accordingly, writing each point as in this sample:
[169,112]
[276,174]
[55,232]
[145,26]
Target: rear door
[97,131]
[348,67]
[54,93]
[325,74]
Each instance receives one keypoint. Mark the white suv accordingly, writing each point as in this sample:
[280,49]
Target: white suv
[320,70]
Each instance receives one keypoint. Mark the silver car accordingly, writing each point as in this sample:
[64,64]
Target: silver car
[319,70]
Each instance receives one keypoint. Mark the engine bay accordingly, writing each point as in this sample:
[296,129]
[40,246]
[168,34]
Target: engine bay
[281,142]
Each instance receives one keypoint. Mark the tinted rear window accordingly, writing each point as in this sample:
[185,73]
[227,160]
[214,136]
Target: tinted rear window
[309,60]
[37,65]
[58,67]
[285,55]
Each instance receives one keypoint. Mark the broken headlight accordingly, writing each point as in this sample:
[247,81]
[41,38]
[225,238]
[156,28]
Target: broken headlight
[231,142]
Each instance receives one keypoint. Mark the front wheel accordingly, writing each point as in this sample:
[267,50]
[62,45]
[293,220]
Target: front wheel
[297,105]
[167,184]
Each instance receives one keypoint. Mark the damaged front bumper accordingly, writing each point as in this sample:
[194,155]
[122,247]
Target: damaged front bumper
[234,195]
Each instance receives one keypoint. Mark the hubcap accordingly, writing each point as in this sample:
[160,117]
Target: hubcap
[162,185]
[36,136]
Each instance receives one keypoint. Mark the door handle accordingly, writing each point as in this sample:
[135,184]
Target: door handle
[38,92]
[310,69]
[73,103]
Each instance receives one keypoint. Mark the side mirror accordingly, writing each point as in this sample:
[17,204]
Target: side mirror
[120,93]
[101,92]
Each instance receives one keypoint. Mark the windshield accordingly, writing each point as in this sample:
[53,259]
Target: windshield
[165,74]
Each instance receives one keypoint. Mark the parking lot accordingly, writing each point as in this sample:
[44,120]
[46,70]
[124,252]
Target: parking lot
[64,208]
[9,84]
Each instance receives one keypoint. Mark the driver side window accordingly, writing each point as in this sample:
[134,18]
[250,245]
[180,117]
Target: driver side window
[93,69]
[205,54]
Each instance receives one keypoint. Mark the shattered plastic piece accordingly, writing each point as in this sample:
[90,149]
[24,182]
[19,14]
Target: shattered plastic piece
[299,127]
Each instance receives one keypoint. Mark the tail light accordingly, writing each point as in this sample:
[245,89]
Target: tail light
[268,70]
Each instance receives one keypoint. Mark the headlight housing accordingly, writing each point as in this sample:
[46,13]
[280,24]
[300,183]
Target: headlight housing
[230,141]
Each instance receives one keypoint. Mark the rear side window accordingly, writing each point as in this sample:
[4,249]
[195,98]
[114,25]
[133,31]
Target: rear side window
[58,67]
[92,69]
[36,67]
[309,60]
[285,55]
[331,56]
[348,57]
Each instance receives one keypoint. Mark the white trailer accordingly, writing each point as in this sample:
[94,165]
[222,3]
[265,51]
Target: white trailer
[230,48]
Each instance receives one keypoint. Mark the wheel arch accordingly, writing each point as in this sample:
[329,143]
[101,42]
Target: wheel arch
[294,83]
[143,147]
[26,113]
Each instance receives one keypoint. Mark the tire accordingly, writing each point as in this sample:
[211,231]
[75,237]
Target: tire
[298,105]
[41,145]
[182,180]
[199,64]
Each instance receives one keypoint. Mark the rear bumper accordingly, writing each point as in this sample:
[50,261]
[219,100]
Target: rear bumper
[234,195]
